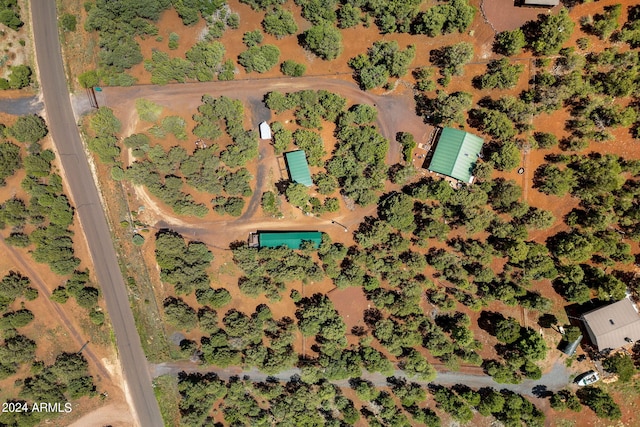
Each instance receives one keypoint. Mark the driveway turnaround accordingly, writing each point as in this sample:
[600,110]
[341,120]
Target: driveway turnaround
[84,193]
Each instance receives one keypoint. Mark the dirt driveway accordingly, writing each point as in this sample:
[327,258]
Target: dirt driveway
[396,113]
[556,379]
[396,110]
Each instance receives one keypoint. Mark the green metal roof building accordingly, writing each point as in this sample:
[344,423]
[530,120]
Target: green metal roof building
[290,239]
[298,167]
[456,154]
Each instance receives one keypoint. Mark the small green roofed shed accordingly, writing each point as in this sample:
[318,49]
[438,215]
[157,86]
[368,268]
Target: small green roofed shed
[298,167]
[456,154]
[290,239]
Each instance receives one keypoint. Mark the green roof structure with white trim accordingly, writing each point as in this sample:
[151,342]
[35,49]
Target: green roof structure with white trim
[456,154]
[290,239]
[298,167]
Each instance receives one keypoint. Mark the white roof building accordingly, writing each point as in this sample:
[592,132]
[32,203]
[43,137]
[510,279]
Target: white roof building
[265,131]
[549,3]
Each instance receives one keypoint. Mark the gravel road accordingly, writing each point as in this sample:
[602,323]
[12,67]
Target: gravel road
[22,106]
[553,380]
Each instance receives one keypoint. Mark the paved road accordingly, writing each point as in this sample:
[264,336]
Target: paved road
[554,380]
[84,193]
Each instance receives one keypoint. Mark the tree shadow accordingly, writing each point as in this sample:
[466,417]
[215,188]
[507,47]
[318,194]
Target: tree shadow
[547,320]
[541,391]
[488,321]
[282,185]
[372,316]
[237,244]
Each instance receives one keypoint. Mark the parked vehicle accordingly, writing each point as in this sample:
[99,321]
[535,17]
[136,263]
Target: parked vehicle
[587,378]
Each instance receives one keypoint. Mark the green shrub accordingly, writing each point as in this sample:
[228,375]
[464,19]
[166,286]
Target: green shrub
[279,22]
[20,77]
[252,38]
[176,126]
[509,42]
[600,402]
[260,59]
[383,60]
[165,69]
[68,22]
[621,364]
[10,160]
[104,122]
[97,317]
[11,19]
[227,71]
[292,69]
[138,239]
[173,41]
[271,204]
[179,313]
[89,79]
[20,240]
[29,129]
[324,40]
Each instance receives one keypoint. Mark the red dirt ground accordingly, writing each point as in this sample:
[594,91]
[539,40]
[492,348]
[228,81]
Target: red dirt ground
[169,22]
[54,331]
[480,34]
[350,302]
[505,15]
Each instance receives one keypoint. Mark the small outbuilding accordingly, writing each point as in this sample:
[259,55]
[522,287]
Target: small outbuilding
[290,239]
[456,154]
[298,167]
[613,326]
[541,3]
[569,348]
[265,131]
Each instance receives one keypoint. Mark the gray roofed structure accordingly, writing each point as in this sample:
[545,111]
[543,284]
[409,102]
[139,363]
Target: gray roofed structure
[614,325]
[551,3]
[569,348]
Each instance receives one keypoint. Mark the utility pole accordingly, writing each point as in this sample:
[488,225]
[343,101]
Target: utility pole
[83,346]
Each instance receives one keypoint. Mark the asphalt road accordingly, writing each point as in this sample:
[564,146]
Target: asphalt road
[84,193]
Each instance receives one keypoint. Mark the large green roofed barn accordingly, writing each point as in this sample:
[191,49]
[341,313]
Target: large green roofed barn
[456,154]
[290,239]
[298,167]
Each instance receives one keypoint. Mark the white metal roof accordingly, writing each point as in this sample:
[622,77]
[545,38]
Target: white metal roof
[265,131]
[541,2]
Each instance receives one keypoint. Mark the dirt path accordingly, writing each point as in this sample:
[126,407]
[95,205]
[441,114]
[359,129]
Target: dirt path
[396,110]
[24,267]
[114,415]
[266,155]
